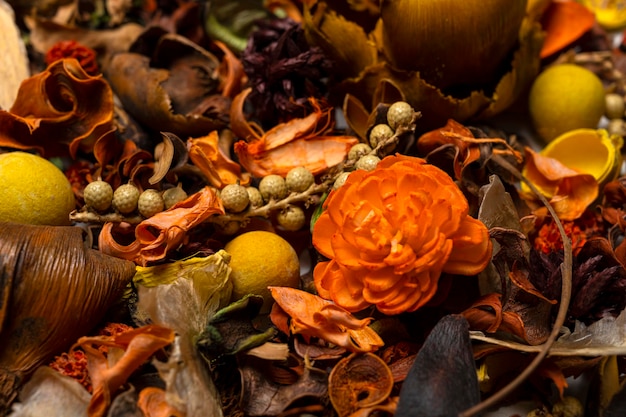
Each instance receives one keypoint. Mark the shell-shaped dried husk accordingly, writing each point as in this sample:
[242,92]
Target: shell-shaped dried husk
[53,289]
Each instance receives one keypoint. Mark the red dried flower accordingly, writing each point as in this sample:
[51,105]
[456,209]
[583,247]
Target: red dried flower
[72,49]
[548,238]
[74,365]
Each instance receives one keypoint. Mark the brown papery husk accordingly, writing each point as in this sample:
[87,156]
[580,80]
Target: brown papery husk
[53,289]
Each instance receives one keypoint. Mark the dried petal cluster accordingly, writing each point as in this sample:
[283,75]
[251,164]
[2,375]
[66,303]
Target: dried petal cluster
[391,232]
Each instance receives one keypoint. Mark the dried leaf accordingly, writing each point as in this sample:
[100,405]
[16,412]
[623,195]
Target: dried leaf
[45,33]
[569,192]
[59,111]
[359,381]
[34,326]
[442,380]
[175,87]
[297,142]
[183,296]
[165,231]
[231,330]
[51,394]
[261,396]
[324,27]
[138,346]
[486,314]
[153,403]
[314,316]
[171,153]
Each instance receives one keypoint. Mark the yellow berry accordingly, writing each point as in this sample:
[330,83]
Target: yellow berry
[367,162]
[299,179]
[234,198]
[273,187]
[291,218]
[173,195]
[399,114]
[98,195]
[125,198]
[150,203]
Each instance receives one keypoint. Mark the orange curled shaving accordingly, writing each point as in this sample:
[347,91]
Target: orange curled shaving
[298,142]
[138,346]
[59,111]
[152,403]
[219,169]
[570,192]
[155,236]
[316,317]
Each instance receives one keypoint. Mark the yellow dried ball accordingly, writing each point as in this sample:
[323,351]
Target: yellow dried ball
[34,191]
[556,101]
[399,114]
[260,259]
[358,151]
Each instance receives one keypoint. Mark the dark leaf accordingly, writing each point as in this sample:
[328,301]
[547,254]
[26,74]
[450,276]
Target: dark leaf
[442,381]
[262,395]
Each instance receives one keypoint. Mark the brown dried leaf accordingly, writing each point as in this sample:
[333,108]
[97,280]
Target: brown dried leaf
[261,396]
[171,153]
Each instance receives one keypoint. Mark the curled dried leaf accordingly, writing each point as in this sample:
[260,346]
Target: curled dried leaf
[171,153]
[313,316]
[138,346]
[297,142]
[359,381]
[175,85]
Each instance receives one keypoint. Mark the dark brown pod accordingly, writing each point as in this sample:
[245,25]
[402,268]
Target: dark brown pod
[53,289]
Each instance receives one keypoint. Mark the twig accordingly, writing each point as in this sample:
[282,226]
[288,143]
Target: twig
[566,292]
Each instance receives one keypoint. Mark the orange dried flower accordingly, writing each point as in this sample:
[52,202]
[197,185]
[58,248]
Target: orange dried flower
[390,233]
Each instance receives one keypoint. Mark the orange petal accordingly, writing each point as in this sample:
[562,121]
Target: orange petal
[564,22]
[219,169]
[471,250]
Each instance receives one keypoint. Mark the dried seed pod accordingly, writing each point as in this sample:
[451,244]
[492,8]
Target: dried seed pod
[53,290]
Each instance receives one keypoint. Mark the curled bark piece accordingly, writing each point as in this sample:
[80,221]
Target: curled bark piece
[52,291]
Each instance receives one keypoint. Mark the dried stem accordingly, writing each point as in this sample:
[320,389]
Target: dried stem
[566,292]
